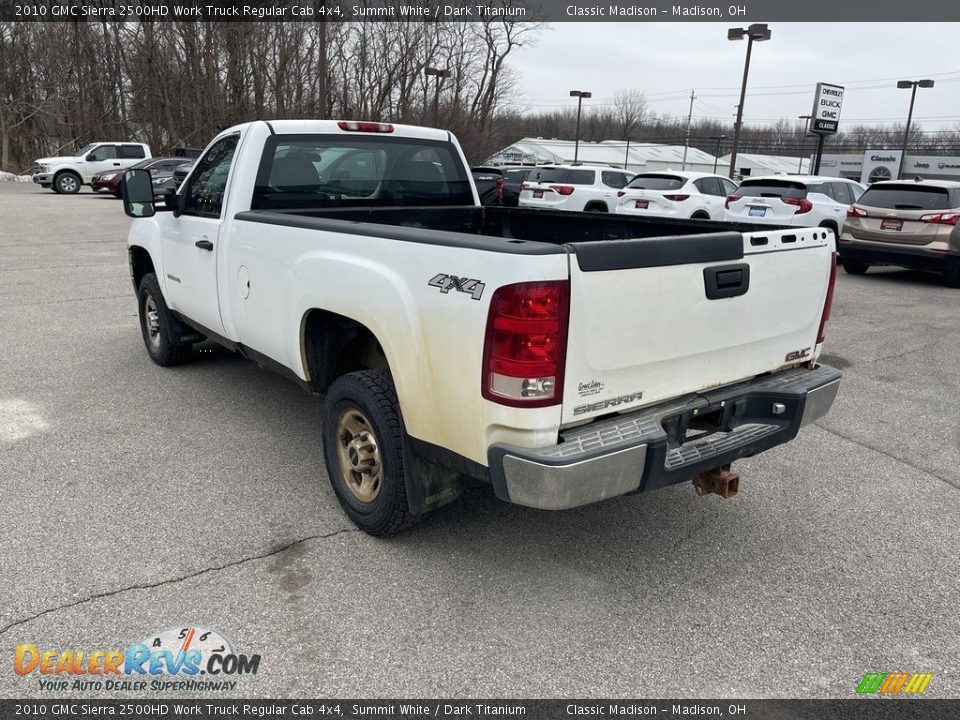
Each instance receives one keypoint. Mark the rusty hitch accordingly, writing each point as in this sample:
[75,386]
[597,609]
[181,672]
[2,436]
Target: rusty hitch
[720,480]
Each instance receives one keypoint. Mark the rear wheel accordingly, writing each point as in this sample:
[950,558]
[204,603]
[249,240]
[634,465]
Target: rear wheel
[854,267]
[951,278]
[363,449]
[67,183]
[158,326]
[595,207]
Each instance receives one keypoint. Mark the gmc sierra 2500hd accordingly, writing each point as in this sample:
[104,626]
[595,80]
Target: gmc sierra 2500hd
[563,357]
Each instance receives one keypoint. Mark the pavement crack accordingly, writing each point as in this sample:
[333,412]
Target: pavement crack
[173,581]
[926,471]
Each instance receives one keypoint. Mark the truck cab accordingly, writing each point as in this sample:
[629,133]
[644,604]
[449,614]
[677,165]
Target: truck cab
[66,174]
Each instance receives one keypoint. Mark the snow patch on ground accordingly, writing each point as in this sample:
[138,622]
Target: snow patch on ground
[10,177]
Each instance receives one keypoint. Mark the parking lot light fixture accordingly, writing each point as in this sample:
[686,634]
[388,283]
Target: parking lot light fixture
[758,32]
[579,95]
[912,85]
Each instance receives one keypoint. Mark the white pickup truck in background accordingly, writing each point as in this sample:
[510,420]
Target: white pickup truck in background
[67,173]
[563,357]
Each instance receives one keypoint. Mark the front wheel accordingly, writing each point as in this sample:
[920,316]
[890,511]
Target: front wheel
[158,326]
[363,449]
[67,183]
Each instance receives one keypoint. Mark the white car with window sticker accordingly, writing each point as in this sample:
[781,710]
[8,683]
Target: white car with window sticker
[574,187]
[681,194]
[802,200]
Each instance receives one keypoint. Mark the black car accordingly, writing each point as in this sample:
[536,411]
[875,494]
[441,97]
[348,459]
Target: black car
[513,178]
[489,182]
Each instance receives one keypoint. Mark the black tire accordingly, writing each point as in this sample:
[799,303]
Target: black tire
[67,183]
[951,278]
[700,216]
[596,207]
[831,226]
[158,332]
[370,395]
[854,267]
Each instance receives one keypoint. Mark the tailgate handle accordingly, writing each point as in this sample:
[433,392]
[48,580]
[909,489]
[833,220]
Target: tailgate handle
[726,281]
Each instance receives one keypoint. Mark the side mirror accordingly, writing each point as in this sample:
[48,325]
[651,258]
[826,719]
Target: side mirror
[137,189]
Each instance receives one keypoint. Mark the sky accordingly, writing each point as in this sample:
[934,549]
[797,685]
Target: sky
[667,60]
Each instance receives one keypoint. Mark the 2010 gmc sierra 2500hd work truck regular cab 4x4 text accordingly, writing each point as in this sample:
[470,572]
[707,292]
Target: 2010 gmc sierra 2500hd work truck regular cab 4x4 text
[563,357]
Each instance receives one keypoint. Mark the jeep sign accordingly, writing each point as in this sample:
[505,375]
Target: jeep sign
[827,102]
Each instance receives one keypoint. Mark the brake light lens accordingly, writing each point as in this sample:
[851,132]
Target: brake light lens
[363,126]
[854,211]
[525,347]
[803,205]
[941,218]
[828,302]
[675,198]
[563,189]
[730,199]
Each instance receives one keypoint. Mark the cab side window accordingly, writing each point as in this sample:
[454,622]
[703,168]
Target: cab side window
[204,196]
[103,152]
[132,151]
[613,179]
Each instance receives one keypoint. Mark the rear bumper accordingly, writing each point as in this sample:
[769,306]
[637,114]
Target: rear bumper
[640,451]
[911,257]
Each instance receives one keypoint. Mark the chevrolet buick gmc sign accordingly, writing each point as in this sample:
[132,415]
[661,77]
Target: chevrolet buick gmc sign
[828,100]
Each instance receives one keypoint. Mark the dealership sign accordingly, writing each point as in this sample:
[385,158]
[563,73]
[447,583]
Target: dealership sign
[827,102]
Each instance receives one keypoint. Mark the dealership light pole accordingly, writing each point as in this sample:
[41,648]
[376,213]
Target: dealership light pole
[803,138]
[716,155]
[913,85]
[757,32]
[579,95]
[440,75]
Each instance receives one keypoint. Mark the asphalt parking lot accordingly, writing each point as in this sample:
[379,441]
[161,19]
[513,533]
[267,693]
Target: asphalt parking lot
[137,498]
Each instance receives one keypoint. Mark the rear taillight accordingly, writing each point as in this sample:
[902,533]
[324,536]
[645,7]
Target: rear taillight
[563,189]
[803,205]
[363,126]
[730,199]
[828,302]
[525,186]
[526,344]
[941,218]
[854,211]
[675,198]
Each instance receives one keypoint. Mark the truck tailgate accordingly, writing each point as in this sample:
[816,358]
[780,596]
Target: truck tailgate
[652,319]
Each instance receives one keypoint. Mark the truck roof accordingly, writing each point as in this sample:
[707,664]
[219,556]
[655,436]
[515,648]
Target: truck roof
[309,127]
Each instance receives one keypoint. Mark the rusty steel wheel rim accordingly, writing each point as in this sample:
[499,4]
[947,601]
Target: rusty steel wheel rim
[359,454]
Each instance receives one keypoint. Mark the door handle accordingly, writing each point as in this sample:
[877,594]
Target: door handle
[726,281]
[116,164]
[204,244]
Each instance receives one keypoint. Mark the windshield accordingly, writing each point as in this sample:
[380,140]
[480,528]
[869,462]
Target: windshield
[300,171]
[657,182]
[905,197]
[84,150]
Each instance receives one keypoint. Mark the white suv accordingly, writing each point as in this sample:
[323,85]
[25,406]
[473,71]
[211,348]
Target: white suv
[676,194]
[573,187]
[794,200]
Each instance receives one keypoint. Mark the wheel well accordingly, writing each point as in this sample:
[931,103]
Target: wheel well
[140,264]
[332,345]
[596,205]
[58,173]
[700,215]
[831,225]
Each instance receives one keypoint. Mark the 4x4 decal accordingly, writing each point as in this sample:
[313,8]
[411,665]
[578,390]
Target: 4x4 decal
[446,283]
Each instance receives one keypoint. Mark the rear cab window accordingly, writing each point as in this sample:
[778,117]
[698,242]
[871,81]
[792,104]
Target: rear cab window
[657,182]
[907,197]
[315,171]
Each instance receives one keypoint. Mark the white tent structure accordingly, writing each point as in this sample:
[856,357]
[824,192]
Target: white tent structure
[638,157]
[749,164]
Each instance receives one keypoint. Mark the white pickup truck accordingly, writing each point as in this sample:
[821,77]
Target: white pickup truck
[67,173]
[564,358]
